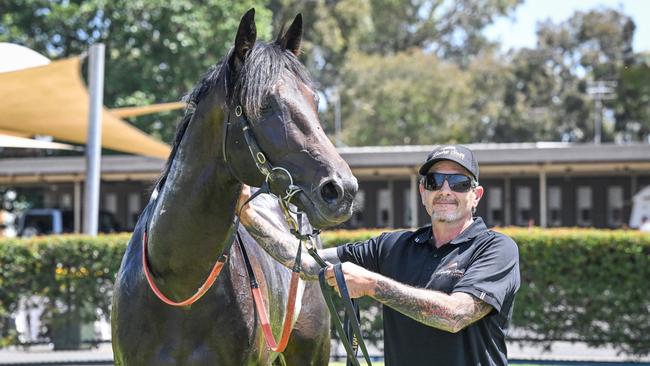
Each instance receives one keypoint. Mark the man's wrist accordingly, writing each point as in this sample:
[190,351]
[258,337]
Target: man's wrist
[373,280]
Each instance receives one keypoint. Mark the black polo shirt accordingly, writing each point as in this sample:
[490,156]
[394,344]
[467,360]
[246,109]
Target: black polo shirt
[479,261]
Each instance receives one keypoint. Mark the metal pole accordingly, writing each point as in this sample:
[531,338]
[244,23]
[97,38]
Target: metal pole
[94,139]
[413,197]
[391,206]
[507,202]
[598,116]
[543,209]
[77,207]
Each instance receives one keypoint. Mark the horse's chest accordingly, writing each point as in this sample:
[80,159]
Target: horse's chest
[220,329]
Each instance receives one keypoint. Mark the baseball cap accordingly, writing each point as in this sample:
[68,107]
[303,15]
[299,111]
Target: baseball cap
[456,153]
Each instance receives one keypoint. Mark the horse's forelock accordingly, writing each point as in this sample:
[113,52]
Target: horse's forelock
[264,66]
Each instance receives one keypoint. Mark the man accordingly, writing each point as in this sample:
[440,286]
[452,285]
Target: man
[447,289]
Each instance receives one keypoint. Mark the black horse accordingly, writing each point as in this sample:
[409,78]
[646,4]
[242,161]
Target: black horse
[189,220]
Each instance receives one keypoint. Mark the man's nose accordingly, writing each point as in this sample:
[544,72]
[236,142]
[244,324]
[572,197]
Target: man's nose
[445,186]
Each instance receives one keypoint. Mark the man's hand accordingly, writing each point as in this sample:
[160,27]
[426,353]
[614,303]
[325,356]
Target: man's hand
[359,280]
[247,211]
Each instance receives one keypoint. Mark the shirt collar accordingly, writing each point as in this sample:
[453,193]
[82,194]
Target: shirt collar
[425,234]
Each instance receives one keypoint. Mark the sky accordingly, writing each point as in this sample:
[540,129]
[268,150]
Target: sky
[518,29]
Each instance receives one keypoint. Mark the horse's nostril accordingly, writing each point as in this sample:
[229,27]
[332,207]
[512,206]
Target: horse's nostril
[331,192]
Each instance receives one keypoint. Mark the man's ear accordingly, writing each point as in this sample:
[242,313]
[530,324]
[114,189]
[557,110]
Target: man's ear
[245,39]
[421,189]
[478,191]
[292,39]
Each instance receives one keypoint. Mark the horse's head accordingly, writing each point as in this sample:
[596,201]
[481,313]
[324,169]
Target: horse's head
[270,92]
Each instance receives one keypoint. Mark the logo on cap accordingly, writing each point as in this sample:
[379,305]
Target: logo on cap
[449,150]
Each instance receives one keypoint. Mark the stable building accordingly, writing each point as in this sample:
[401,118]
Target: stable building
[541,184]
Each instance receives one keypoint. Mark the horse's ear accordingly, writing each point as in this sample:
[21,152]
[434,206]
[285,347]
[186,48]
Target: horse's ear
[245,39]
[293,37]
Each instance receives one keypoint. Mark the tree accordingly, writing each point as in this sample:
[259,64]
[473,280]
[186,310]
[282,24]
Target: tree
[592,45]
[633,100]
[155,50]
[338,31]
[407,98]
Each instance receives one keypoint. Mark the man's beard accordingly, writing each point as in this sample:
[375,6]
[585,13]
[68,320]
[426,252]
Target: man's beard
[446,216]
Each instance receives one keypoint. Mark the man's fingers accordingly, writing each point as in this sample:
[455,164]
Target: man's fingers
[331,278]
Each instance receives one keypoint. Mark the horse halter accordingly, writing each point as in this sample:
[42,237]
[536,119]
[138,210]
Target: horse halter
[271,173]
[349,329]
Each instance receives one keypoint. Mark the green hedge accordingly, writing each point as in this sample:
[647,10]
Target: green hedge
[585,285]
[73,273]
[577,284]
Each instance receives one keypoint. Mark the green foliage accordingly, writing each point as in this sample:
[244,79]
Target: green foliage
[577,284]
[549,89]
[74,275]
[589,285]
[406,98]
[407,72]
[633,100]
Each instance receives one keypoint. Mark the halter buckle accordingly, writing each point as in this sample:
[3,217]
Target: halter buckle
[260,157]
[238,111]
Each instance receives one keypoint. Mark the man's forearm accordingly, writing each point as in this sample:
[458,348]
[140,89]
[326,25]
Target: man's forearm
[450,313]
[282,246]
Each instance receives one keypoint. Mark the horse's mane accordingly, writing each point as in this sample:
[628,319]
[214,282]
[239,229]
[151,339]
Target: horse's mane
[262,68]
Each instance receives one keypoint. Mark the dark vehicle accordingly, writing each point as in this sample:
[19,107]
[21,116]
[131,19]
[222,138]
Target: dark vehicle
[48,221]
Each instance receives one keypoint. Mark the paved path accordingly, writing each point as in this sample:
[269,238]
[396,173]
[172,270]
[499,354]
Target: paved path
[103,354]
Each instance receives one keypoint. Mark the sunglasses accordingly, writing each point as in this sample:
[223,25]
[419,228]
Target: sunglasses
[457,182]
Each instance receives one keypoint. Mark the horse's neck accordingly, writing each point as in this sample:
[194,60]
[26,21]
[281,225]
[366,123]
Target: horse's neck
[193,213]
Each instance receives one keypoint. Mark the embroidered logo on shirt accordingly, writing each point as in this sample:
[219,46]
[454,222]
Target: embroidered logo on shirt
[451,270]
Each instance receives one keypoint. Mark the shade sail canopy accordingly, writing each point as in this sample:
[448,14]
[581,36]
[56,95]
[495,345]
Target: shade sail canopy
[146,109]
[52,100]
[17,57]
[23,143]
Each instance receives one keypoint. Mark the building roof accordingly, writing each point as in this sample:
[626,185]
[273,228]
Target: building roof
[494,159]
[501,153]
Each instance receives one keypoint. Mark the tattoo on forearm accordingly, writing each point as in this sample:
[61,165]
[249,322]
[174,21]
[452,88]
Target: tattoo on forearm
[282,247]
[450,313]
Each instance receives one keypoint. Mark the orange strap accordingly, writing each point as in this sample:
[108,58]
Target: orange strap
[288,316]
[257,297]
[216,269]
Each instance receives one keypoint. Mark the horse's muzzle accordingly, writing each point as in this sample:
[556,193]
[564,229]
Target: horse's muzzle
[330,203]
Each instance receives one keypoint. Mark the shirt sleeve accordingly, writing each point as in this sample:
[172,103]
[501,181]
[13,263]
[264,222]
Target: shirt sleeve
[494,275]
[363,253]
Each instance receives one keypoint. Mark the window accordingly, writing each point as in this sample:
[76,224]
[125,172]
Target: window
[584,206]
[495,206]
[110,202]
[524,206]
[614,206]
[384,208]
[66,200]
[554,206]
[133,208]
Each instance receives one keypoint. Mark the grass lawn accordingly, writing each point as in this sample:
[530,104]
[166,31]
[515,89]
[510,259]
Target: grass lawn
[382,364]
